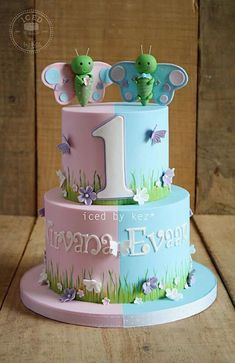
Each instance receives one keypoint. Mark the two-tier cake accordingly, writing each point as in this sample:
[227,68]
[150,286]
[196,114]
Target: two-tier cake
[118,250]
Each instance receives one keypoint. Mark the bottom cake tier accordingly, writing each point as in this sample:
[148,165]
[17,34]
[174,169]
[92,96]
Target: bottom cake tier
[118,254]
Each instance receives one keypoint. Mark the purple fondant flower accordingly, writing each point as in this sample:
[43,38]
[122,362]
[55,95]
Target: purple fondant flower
[168,177]
[87,195]
[105,301]
[149,285]
[191,278]
[68,295]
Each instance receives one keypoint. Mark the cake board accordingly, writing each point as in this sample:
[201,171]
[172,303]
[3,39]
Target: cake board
[43,301]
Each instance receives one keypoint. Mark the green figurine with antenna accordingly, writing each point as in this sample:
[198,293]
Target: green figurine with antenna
[82,66]
[146,65]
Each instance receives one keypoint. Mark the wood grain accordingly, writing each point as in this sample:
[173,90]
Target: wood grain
[114,30]
[218,234]
[17,120]
[14,235]
[216,146]
[27,337]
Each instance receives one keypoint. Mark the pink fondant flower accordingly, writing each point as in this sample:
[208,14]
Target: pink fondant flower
[87,195]
[68,295]
[106,301]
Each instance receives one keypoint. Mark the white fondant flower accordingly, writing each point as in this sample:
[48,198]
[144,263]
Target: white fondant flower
[176,280]
[158,183]
[48,283]
[43,278]
[59,286]
[186,286]
[113,248]
[92,285]
[125,248]
[138,301]
[105,301]
[173,294]
[141,196]
[61,177]
[192,249]
[80,293]
[161,286]
[65,193]
[75,188]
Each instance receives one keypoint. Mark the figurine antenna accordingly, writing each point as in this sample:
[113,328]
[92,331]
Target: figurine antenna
[150,49]
[87,51]
[76,51]
[141,48]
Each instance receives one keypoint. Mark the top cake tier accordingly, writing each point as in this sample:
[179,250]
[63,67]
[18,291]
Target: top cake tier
[115,153]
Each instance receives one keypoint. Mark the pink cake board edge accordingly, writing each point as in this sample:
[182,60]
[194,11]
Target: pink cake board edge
[45,302]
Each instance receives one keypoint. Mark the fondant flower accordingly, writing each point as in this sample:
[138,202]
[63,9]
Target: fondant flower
[61,177]
[75,188]
[138,301]
[92,285]
[158,183]
[161,286]
[191,278]
[48,283]
[59,286]
[65,193]
[173,294]
[149,285]
[80,293]
[105,301]
[176,280]
[68,295]
[113,246]
[141,196]
[125,248]
[87,195]
[168,177]
[43,278]
[192,249]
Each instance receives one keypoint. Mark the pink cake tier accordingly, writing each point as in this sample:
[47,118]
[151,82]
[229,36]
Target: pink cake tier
[113,151]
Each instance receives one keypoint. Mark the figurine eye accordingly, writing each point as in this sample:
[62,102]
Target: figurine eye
[139,63]
[148,63]
[89,62]
[81,64]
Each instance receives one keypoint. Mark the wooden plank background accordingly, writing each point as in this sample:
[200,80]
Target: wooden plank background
[17,119]
[216,108]
[114,30]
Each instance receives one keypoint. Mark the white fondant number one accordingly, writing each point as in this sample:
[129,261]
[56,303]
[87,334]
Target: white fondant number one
[112,133]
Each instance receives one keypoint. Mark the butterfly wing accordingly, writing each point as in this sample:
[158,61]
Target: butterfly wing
[123,74]
[157,136]
[168,78]
[60,78]
[101,80]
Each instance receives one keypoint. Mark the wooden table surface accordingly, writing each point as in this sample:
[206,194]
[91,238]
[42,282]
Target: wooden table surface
[28,337]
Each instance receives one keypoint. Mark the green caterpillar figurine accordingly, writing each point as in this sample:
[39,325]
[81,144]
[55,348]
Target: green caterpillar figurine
[146,65]
[82,66]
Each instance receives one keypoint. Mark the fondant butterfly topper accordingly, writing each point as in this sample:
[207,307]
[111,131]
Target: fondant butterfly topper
[146,80]
[83,77]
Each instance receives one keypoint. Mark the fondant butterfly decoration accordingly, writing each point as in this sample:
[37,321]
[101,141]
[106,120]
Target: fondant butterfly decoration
[157,136]
[64,147]
[83,77]
[145,80]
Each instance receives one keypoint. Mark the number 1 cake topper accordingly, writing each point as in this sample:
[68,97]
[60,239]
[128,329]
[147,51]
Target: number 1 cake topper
[83,77]
[145,79]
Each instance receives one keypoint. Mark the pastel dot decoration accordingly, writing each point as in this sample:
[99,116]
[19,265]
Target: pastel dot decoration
[177,78]
[52,76]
